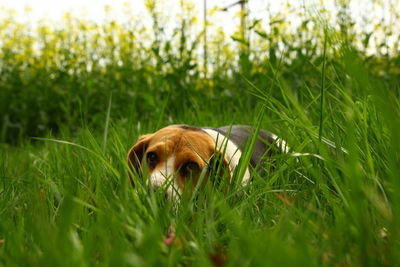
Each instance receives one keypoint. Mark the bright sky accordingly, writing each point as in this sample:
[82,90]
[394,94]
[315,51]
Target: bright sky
[94,9]
[54,9]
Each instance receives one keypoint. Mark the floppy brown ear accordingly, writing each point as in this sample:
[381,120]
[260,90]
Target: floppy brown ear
[219,168]
[135,155]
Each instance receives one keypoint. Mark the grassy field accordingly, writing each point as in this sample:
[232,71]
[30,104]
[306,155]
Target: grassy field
[75,99]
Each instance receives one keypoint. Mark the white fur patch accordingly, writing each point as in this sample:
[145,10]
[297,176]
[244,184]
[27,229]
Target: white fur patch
[232,152]
[163,175]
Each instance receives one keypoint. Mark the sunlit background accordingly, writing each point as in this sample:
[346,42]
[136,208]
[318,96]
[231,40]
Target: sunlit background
[222,13]
[63,46]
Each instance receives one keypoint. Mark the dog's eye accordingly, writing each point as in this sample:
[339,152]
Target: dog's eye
[152,159]
[190,169]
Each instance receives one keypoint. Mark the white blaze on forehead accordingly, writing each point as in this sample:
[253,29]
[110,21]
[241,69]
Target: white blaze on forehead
[232,152]
[163,175]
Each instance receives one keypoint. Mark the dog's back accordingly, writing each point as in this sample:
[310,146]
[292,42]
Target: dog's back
[264,143]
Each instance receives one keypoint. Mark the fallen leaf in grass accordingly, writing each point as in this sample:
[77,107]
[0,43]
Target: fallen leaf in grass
[219,257]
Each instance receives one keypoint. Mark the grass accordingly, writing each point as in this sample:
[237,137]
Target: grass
[66,199]
[70,203]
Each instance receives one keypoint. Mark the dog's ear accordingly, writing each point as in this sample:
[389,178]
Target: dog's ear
[219,169]
[135,155]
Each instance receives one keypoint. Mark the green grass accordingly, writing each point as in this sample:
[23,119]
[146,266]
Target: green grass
[71,203]
[66,199]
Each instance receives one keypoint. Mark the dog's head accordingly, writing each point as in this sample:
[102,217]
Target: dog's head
[176,157]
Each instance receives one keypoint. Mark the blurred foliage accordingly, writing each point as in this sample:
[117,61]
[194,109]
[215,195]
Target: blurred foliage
[63,75]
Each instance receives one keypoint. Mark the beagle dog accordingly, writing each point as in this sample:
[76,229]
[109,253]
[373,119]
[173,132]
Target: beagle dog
[179,155]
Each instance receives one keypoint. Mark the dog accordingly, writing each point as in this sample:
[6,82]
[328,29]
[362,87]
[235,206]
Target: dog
[179,155]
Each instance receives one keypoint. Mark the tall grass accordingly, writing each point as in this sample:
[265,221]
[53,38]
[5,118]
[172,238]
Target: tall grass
[90,90]
[55,76]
